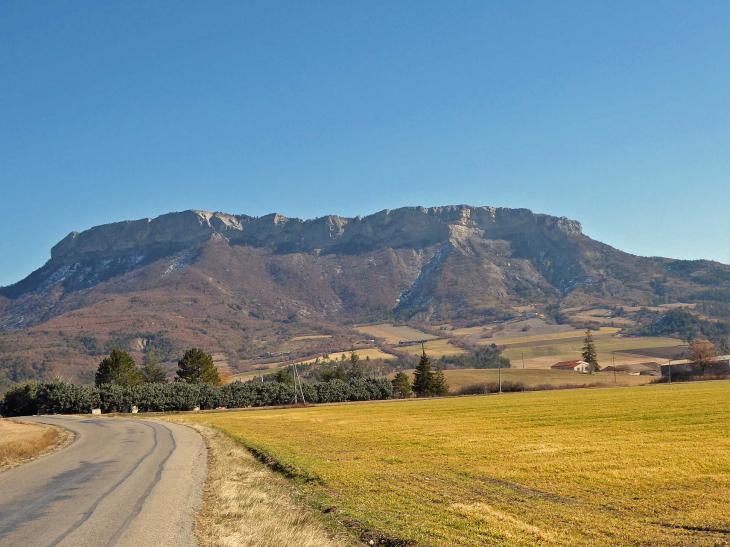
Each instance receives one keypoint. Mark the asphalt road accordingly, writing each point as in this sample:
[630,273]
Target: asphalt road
[124,483]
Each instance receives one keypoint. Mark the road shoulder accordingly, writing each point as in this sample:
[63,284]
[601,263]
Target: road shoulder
[22,442]
[245,503]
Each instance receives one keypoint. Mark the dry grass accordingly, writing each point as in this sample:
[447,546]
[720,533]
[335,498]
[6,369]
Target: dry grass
[544,356]
[311,337]
[643,466]
[393,335]
[460,378]
[602,316]
[434,348]
[550,337]
[373,353]
[246,504]
[22,441]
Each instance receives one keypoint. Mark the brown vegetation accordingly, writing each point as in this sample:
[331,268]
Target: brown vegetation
[247,504]
[702,353]
[20,441]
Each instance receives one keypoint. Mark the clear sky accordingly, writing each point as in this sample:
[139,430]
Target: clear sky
[615,113]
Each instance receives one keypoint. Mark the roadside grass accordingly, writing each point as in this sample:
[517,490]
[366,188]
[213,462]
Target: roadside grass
[20,442]
[464,377]
[247,504]
[630,466]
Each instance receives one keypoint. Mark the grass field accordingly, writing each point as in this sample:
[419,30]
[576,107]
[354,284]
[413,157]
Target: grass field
[392,334]
[544,356]
[459,378]
[311,337]
[434,348]
[22,441]
[552,337]
[373,353]
[516,329]
[621,466]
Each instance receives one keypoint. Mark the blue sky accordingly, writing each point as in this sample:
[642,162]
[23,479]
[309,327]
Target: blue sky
[616,114]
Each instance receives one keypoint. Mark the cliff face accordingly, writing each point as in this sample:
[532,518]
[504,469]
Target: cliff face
[242,286]
[392,260]
[413,227]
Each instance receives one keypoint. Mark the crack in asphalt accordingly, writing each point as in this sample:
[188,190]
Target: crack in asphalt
[87,514]
[140,502]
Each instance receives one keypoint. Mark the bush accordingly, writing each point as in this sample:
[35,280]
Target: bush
[333,392]
[61,398]
[491,387]
[20,400]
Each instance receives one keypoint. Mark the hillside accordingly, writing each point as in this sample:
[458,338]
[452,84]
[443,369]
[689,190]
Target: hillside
[244,287]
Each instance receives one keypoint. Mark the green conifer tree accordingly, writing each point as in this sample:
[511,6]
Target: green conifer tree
[355,369]
[439,386]
[196,367]
[401,385]
[423,377]
[119,368]
[152,371]
[589,352]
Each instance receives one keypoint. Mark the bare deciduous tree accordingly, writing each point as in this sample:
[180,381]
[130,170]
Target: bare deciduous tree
[702,353]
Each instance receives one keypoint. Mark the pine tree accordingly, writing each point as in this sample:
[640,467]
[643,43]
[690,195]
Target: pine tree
[439,386]
[423,377]
[284,376]
[196,367]
[152,371]
[401,385]
[119,368]
[355,370]
[589,352]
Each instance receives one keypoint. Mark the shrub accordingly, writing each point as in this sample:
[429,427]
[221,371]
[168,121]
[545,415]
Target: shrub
[333,391]
[491,387]
[61,398]
[20,400]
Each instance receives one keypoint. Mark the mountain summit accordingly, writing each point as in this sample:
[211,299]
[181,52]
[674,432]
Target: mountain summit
[227,282]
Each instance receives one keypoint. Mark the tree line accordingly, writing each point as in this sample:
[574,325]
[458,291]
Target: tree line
[119,368]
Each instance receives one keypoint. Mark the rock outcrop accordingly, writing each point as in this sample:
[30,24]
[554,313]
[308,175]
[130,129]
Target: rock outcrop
[413,227]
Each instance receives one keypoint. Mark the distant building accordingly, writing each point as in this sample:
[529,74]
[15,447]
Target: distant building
[686,367]
[576,366]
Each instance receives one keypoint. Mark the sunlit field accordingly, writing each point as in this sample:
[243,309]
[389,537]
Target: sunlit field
[464,377]
[617,466]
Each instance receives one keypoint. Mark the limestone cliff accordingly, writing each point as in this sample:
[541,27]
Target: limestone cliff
[413,227]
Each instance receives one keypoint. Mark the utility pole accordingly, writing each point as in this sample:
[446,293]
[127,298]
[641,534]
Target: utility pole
[670,371]
[523,360]
[500,375]
[613,362]
[294,370]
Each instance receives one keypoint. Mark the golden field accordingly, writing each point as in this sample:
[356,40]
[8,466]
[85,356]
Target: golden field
[393,334]
[556,336]
[616,466]
[434,349]
[464,377]
[544,356]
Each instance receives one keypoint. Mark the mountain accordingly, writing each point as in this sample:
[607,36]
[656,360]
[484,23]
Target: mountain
[242,286]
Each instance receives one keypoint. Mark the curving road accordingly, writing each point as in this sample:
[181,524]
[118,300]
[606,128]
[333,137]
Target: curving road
[122,482]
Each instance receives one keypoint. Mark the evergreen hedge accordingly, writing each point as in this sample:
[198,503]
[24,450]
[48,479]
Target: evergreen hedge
[61,398]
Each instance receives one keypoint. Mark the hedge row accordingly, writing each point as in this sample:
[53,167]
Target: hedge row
[62,398]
